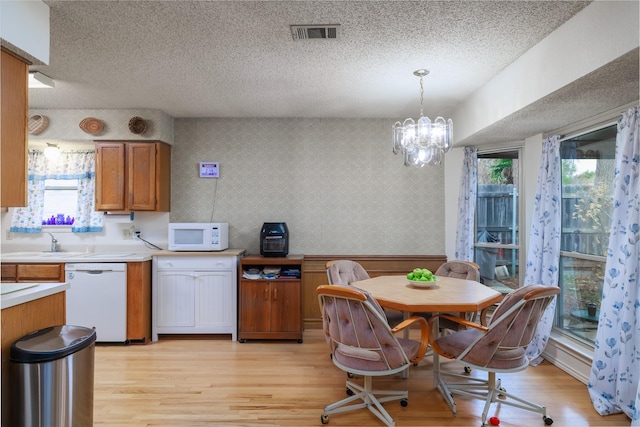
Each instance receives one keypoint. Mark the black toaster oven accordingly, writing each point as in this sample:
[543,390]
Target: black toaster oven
[274,239]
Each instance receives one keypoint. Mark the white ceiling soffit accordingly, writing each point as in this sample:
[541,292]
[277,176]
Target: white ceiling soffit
[309,32]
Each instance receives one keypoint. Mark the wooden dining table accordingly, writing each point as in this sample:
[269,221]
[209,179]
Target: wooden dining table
[446,295]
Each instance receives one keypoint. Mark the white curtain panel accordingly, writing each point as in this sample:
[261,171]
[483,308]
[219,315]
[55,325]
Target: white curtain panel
[543,256]
[615,373]
[467,205]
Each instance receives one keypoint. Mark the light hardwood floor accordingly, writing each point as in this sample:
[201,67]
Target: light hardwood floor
[212,381]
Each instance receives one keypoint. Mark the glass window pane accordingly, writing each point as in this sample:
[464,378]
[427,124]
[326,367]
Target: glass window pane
[579,307]
[587,193]
[60,201]
[497,230]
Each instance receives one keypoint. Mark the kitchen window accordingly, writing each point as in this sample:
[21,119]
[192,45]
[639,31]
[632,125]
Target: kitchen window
[60,202]
[588,162]
[47,179]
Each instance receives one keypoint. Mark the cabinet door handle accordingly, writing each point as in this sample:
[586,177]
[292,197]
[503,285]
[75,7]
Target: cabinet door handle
[275,294]
[266,293]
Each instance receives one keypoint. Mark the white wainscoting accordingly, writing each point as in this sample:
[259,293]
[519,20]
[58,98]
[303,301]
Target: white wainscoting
[571,355]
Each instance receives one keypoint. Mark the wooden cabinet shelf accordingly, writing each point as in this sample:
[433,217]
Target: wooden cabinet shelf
[270,308]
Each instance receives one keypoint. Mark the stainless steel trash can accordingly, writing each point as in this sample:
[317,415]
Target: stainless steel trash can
[52,377]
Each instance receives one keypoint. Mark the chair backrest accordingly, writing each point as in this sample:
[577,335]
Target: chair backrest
[357,331]
[511,328]
[345,271]
[460,270]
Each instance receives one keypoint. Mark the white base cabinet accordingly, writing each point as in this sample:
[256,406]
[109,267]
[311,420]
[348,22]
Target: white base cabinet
[194,295]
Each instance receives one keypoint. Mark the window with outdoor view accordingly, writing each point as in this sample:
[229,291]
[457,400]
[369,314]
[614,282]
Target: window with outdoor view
[587,189]
[60,202]
[497,246]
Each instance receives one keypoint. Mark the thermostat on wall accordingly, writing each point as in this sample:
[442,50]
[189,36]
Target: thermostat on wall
[209,170]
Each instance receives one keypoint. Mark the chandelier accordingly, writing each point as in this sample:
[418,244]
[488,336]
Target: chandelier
[423,143]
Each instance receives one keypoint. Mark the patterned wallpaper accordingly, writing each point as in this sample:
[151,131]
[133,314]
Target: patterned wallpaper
[335,182]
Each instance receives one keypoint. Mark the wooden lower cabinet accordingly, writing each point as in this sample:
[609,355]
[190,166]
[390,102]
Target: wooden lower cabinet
[138,290]
[139,301]
[270,308]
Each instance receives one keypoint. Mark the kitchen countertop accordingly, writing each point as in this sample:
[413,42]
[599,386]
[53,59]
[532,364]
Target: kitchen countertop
[226,252]
[107,256]
[35,291]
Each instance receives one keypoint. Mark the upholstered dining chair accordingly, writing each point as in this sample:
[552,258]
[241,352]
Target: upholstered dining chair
[363,343]
[346,272]
[498,347]
[460,270]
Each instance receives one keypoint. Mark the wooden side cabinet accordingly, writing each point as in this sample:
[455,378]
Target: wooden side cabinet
[271,308]
[13,139]
[133,176]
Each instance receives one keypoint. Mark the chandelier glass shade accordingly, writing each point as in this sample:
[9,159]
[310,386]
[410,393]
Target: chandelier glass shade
[424,142]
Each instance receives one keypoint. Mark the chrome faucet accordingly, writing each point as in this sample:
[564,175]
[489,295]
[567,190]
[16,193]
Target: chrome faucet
[54,243]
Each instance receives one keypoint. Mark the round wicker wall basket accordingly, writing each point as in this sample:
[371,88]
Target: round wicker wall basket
[137,125]
[37,124]
[91,125]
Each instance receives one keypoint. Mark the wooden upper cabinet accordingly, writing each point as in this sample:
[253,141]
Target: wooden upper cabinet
[133,176]
[13,143]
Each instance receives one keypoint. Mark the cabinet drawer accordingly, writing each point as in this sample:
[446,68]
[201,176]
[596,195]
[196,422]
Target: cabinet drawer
[196,262]
[40,272]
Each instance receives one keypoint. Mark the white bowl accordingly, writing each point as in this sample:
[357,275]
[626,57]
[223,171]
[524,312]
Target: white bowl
[419,284]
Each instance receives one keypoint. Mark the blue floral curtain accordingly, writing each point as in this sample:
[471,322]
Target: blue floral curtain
[614,378]
[543,257]
[78,165]
[467,205]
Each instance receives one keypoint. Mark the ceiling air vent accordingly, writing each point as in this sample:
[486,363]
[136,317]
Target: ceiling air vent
[305,32]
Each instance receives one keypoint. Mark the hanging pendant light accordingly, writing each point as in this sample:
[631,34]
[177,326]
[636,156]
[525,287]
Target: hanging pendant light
[424,142]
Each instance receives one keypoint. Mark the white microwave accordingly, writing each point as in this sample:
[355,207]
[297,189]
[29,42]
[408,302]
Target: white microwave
[198,236]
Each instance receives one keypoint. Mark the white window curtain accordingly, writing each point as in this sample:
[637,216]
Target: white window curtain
[543,256]
[78,165]
[614,378]
[467,205]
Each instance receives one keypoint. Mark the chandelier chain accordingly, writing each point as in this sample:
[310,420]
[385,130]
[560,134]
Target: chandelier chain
[421,98]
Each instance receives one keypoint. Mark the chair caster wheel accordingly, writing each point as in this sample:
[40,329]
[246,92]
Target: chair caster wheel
[501,395]
[467,369]
[404,403]
[324,419]
[547,421]
[350,392]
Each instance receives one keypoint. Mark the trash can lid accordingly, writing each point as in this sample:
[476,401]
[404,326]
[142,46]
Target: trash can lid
[52,343]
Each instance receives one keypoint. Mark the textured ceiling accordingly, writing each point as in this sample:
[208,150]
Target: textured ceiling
[238,58]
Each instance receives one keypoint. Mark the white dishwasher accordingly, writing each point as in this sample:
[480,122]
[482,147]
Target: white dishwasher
[97,298]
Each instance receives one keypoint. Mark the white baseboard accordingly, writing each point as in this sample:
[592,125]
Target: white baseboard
[570,355]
